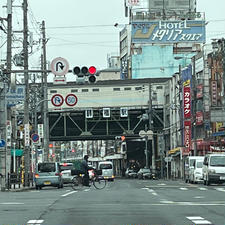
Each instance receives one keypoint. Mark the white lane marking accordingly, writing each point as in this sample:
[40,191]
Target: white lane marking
[195,218]
[183,189]
[220,189]
[167,202]
[11,203]
[199,197]
[154,193]
[162,184]
[145,188]
[37,222]
[203,189]
[198,220]
[87,189]
[69,193]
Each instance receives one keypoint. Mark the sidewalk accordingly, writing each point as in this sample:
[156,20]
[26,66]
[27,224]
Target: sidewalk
[19,188]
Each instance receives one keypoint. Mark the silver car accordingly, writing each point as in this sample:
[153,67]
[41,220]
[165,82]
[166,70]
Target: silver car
[66,172]
[48,174]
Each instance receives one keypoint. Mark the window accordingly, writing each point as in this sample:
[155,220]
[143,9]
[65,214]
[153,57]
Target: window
[74,90]
[84,90]
[116,89]
[127,89]
[53,91]
[95,89]
[159,87]
[138,88]
[105,166]
[46,167]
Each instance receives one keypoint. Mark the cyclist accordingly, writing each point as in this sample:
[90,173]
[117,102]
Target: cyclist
[85,168]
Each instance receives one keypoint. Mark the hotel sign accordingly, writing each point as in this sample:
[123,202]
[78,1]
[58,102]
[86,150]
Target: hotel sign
[164,31]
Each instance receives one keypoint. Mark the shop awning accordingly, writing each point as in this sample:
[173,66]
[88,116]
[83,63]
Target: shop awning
[19,152]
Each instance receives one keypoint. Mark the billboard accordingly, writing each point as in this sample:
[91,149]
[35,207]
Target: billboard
[164,31]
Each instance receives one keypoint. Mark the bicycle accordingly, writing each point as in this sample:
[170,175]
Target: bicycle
[97,180]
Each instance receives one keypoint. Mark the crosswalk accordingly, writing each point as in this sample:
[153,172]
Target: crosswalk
[184,188]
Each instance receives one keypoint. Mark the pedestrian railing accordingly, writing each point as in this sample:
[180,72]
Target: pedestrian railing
[16,180]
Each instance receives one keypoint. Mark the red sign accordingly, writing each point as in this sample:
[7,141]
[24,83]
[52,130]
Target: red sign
[187,134]
[187,102]
[199,118]
[199,91]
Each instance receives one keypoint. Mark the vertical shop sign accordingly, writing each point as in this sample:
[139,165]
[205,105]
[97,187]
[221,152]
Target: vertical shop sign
[187,102]
[214,92]
[187,134]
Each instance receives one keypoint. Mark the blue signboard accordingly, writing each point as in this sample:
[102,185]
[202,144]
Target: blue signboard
[13,97]
[165,31]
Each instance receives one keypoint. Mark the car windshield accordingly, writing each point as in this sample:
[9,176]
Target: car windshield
[46,167]
[105,166]
[199,164]
[217,161]
[192,162]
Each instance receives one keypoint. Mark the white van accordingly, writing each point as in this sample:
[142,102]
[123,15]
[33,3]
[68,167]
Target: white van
[189,164]
[107,170]
[214,168]
[196,172]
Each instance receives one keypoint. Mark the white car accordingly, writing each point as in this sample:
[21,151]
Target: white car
[65,169]
[196,174]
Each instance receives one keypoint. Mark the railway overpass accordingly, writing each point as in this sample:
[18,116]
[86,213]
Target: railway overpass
[105,109]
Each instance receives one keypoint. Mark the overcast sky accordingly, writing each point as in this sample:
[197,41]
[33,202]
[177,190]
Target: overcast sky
[83,32]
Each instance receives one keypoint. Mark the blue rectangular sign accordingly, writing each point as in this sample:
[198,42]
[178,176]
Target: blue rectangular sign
[15,96]
[165,31]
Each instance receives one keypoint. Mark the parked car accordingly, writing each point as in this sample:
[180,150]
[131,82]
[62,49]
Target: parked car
[130,173]
[65,169]
[144,173]
[48,174]
[196,172]
[189,162]
[214,169]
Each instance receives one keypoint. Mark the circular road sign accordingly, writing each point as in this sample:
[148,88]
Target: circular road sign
[59,66]
[57,100]
[2,143]
[35,137]
[71,100]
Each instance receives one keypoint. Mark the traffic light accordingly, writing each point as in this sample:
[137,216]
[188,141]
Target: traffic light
[84,72]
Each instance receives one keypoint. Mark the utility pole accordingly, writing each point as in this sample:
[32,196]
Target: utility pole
[150,124]
[26,102]
[4,154]
[45,103]
[9,68]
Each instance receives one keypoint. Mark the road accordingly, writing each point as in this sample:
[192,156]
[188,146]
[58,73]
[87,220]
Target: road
[122,202]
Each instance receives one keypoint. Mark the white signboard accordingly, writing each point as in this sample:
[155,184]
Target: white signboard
[27,134]
[40,130]
[8,132]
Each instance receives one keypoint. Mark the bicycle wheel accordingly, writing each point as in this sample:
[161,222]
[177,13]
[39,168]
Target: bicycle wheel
[76,183]
[99,183]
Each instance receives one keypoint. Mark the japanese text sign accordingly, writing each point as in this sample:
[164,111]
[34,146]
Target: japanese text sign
[187,102]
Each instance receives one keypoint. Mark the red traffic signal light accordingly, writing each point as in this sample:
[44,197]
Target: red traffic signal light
[92,70]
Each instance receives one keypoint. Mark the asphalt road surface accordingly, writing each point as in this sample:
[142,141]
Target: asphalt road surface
[125,201]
